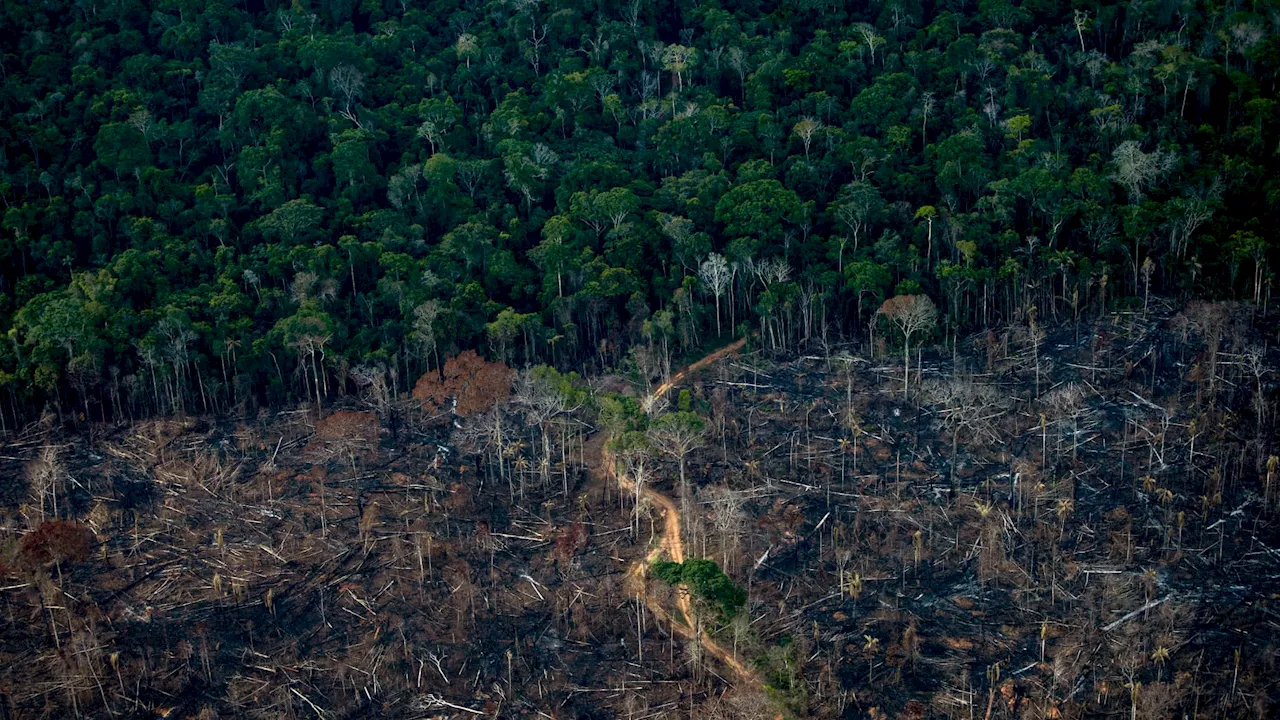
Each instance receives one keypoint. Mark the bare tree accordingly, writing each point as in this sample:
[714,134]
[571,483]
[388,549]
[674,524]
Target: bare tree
[533,46]
[1211,320]
[729,519]
[1080,21]
[309,340]
[966,406]
[348,84]
[806,129]
[372,384]
[927,102]
[870,38]
[676,435]
[142,121]
[543,402]
[1066,406]
[45,475]
[424,327]
[714,273]
[740,63]
[911,314]
[1035,338]
[1135,169]
[634,452]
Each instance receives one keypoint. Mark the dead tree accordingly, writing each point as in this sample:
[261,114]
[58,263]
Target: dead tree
[964,405]
[911,314]
[543,402]
[676,435]
[634,451]
[346,435]
[729,519]
[45,475]
[1065,406]
[468,384]
[490,432]
[1211,321]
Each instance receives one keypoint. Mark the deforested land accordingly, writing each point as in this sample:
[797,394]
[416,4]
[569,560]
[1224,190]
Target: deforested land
[706,359]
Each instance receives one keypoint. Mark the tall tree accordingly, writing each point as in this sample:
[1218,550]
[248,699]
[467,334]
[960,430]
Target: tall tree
[911,314]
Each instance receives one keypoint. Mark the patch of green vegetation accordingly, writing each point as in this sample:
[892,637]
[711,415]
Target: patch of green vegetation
[706,582]
[781,668]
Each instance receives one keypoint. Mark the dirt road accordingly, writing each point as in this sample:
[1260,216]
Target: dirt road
[672,546]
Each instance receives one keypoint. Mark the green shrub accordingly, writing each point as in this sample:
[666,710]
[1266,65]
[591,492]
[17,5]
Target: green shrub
[706,582]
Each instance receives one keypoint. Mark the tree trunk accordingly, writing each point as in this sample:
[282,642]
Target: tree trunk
[906,363]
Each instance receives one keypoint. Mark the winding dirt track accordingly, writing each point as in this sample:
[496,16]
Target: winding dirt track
[672,544]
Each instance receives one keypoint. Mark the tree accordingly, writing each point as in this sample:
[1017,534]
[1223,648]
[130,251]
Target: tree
[865,277]
[467,47]
[308,332]
[633,451]
[927,103]
[347,84]
[122,148]
[346,435]
[686,244]
[706,582]
[964,404]
[616,205]
[870,38]
[759,210]
[1080,21]
[555,255]
[598,210]
[678,59]
[1135,169]
[911,314]
[468,384]
[547,394]
[856,207]
[424,327]
[293,218]
[676,435]
[526,166]
[714,273]
[806,129]
[729,519]
[46,475]
[212,159]
[928,213]
[438,118]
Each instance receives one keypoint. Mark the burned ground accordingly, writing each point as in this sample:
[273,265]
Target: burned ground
[1135,478]
[1090,534]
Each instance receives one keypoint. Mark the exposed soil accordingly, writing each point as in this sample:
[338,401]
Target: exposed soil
[1092,535]
[672,546]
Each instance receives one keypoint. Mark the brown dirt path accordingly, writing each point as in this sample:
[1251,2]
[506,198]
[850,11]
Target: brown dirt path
[672,546]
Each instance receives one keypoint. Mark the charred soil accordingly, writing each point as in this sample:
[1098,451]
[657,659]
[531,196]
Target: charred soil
[1070,525]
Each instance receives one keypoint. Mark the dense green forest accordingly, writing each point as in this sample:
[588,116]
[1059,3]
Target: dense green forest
[214,207]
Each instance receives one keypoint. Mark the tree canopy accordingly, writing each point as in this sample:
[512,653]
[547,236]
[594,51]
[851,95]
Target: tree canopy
[223,210]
